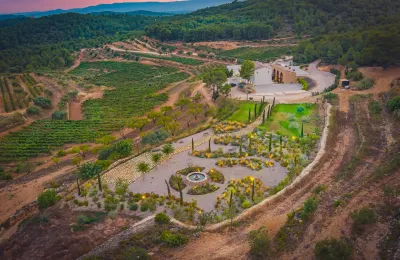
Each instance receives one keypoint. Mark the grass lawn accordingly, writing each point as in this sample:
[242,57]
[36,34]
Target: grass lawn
[242,114]
[286,120]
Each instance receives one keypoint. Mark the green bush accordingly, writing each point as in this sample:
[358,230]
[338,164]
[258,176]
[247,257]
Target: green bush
[320,188]
[300,109]
[162,218]
[304,83]
[133,206]
[5,176]
[333,249]
[172,240]
[354,75]
[394,104]
[365,84]
[47,198]
[59,115]
[362,217]
[33,111]
[309,207]
[246,204]
[374,107]
[260,244]
[133,253]
[42,102]
[155,137]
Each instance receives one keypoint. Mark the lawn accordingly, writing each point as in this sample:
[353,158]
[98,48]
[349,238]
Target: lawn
[287,120]
[265,54]
[242,114]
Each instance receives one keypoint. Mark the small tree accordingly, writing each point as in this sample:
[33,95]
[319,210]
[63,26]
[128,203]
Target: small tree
[99,182]
[164,121]
[172,127]
[247,69]
[209,145]
[263,117]
[192,145]
[302,130]
[166,109]
[249,119]
[137,123]
[154,116]
[176,114]
[180,188]
[168,189]
[255,112]
[225,89]
[195,110]
[181,103]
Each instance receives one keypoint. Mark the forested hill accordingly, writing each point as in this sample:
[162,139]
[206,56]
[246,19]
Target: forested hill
[260,19]
[46,43]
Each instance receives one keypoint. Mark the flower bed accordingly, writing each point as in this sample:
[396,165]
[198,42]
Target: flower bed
[228,127]
[203,189]
[228,139]
[216,176]
[251,163]
[191,169]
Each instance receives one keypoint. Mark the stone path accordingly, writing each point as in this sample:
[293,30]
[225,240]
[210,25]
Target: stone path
[128,170]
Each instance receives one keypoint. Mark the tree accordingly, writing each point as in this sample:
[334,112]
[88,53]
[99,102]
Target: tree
[172,127]
[42,102]
[154,116]
[164,121]
[168,189]
[214,78]
[88,171]
[47,198]
[197,97]
[106,140]
[99,181]
[137,123]
[195,110]
[166,109]
[333,249]
[168,149]
[77,160]
[182,103]
[82,150]
[59,115]
[176,114]
[225,89]
[247,69]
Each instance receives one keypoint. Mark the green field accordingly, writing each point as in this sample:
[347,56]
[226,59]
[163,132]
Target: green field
[242,114]
[265,54]
[135,86]
[286,120]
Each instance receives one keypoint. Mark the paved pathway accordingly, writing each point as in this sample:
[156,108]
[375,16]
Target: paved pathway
[127,170]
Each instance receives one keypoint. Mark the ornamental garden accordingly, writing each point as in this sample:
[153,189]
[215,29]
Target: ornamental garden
[217,173]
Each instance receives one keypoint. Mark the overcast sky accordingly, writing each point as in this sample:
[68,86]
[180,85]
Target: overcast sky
[14,6]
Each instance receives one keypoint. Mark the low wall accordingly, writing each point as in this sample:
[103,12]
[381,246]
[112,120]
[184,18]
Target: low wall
[303,177]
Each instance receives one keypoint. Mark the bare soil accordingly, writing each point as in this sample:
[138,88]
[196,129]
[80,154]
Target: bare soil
[75,110]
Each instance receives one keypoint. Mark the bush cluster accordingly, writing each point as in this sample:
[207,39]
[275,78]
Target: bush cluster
[172,239]
[162,218]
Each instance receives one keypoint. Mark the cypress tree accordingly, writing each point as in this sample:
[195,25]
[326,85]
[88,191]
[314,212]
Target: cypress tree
[209,145]
[240,147]
[255,112]
[180,192]
[268,114]
[79,188]
[192,145]
[249,115]
[263,118]
[270,143]
[302,130]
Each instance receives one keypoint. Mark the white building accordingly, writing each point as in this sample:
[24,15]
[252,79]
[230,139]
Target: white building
[262,76]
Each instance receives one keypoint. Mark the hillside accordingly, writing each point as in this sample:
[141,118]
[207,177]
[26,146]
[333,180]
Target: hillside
[260,19]
[47,42]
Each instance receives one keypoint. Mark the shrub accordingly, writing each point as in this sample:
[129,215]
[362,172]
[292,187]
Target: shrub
[33,111]
[320,188]
[156,137]
[374,107]
[5,176]
[394,104]
[309,207]
[332,249]
[246,204]
[331,97]
[354,75]
[362,217]
[42,102]
[300,109]
[133,253]
[59,115]
[162,218]
[365,84]
[133,206]
[260,244]
[172,240]
[47,198]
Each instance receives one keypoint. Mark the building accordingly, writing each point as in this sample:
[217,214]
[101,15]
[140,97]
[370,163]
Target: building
[235,69]
[283,74]
[262,76]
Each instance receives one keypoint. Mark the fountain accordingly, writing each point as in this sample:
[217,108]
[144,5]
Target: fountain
[196,178]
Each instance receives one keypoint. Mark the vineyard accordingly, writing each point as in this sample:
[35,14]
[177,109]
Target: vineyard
[13,94]
[264,54]
[133,94]
[182,60]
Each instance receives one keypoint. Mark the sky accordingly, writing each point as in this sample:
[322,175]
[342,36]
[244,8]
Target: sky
[15,6]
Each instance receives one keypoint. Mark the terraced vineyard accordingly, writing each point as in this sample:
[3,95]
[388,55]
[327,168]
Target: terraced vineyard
[183,60]
[135,86]
[13,94]
[264,54]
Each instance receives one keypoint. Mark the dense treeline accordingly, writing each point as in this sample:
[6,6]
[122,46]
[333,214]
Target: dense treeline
[373,46]
[46,43]
[257,19]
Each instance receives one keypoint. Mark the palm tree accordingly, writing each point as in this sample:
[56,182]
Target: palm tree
[168,149]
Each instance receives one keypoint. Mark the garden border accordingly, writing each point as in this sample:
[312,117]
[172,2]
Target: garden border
[149,221]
